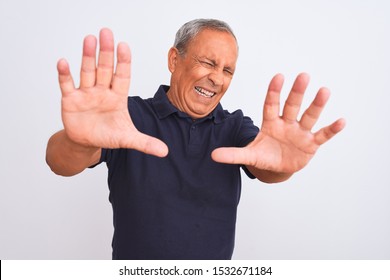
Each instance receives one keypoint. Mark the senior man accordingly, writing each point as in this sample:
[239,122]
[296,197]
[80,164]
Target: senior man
[174,159]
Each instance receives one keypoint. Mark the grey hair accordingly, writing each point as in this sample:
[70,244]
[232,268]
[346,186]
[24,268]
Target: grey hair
[190,29]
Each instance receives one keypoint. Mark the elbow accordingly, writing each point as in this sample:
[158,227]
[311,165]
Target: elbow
[273,180]
[57,169]
[269,177]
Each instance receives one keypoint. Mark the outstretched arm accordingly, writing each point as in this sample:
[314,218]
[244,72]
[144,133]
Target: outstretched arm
[68,158]
[284,144]
[96,115]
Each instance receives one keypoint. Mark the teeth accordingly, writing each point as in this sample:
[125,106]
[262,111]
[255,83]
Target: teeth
[204,92]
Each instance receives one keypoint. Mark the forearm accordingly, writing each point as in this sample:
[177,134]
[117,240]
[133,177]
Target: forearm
[269,176]
[68,158]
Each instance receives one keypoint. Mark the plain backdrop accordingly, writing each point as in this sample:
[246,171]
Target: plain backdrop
[338,207]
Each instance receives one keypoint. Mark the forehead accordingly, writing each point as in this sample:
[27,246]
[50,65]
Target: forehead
[214,43]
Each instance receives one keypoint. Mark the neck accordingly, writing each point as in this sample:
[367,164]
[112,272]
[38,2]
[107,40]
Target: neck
[172,97]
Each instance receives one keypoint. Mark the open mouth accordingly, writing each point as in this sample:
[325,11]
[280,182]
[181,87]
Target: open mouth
[203,92]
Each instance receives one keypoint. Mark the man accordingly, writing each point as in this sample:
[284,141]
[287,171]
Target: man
[174,160]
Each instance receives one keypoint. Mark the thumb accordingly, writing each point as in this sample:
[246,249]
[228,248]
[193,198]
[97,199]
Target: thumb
[148,144]
[232,156]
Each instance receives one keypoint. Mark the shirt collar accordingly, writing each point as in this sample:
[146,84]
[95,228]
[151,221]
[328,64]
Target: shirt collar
[161,104]
[164,108]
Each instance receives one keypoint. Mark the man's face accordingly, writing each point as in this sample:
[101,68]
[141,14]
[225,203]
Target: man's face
[203,74]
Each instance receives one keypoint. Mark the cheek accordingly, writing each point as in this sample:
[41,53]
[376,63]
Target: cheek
[226,85]
[198,72]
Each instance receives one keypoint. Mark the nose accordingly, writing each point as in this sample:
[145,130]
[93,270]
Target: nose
[216,77]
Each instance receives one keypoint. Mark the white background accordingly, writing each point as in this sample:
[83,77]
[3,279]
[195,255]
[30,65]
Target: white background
[336,208]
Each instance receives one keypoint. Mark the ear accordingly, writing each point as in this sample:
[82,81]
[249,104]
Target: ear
[173,56]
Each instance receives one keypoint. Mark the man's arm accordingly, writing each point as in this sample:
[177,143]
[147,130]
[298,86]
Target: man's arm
[284,144]
[68,158]
[269,176]
[96,115]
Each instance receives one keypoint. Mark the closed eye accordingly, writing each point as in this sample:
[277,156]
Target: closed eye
[207,64]
[228,71]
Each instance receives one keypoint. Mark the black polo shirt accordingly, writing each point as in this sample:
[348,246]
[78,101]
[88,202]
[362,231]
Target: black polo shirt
[182,206]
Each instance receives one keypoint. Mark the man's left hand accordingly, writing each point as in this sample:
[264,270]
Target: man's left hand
[284,144]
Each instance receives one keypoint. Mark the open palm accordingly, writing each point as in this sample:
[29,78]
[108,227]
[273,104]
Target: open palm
[284,144]
[96,113]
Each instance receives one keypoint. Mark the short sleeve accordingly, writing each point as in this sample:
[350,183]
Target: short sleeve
[247,133]
[103,158]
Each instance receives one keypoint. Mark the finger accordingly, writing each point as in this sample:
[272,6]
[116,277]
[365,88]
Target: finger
[106,58]
[294,99]
[88,63]
[326,133]
[311,115]
[272,99]
[147,144]
[232,156]
[64,77]
[121,80]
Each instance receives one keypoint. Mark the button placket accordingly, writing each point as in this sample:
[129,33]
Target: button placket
[194,146]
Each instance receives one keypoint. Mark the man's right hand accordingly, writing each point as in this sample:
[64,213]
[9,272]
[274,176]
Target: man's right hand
[96,114]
